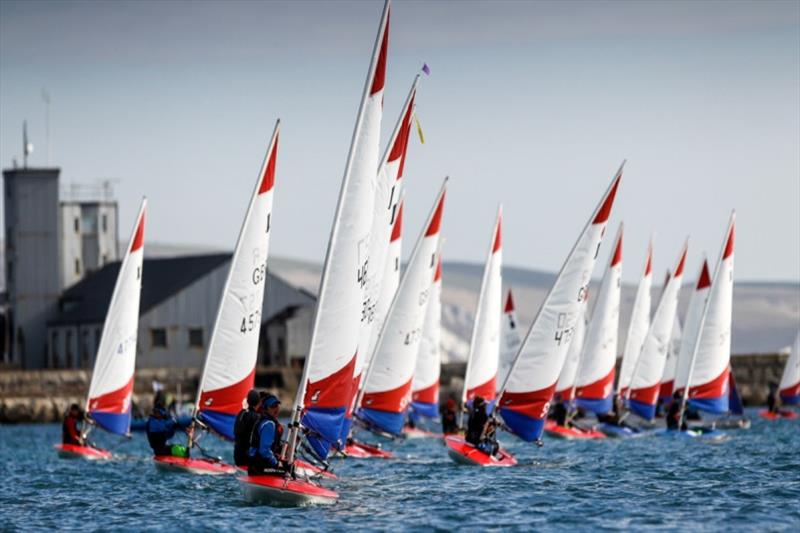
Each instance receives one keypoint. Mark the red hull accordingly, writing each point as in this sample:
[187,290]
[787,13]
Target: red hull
[571,433]
[463,452]
[278,490]
[788,415]
[359,450]
[193,466]
[71,451]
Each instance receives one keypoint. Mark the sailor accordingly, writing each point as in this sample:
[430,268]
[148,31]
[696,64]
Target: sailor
[266,439]
[160,428]
[243,428]
[560,413]
[477,421]
[70,433]
[674,413]
[449,417]
[772,402]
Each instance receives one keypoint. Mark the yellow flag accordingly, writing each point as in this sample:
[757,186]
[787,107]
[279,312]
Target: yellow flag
[419,129]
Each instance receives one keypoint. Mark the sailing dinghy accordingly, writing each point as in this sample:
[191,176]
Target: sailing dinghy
[383,275]
[789,389]
[108,403]
[706,385]
[384,398]
[425,386]
[525,396]
[638,326]
[645,383]
[230,364]
[324,393]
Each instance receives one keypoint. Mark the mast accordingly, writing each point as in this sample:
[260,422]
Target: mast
[297,410]
[728,242]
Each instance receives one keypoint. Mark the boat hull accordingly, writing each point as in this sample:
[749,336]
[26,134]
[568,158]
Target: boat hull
[72,451]
[571,433]
[787,415]
[304,468]
[193,466]
[465,453]
[360,450]
[281,491]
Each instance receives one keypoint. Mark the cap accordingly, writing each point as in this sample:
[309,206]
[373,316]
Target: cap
[270,400]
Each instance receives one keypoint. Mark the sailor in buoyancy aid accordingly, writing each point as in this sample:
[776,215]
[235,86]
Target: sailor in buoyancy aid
[160,428]
[266,439]
[480,429]
[70,432]
[246,420]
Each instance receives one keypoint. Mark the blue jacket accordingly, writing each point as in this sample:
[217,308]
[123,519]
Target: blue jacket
[266,438]
[161,428]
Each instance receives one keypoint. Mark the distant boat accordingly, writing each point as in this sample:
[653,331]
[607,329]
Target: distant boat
[382,276]
[706,385]
[230,362]
[645,384]
[386,394]
[324,394]
[790,380]
[638,326]
[694,314]
[425,386]
[594,386]
[671,364]
[108,402]
[484,347]
[526,394]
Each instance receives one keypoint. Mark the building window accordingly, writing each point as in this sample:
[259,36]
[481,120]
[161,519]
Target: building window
[77,225]
[195,337]
[158,337]
[105,223]
[77,266]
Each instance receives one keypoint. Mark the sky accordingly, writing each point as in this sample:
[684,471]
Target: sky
[530,104]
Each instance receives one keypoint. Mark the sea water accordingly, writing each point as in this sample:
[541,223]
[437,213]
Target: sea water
[749,482]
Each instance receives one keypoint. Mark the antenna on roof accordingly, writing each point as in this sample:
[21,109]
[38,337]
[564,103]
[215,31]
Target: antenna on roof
[27,148]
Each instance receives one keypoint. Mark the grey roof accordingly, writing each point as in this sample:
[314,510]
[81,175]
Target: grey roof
[87,301]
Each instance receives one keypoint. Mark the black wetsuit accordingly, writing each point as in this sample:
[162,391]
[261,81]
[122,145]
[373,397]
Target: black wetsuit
[674,415]
[246,420]
[476,424]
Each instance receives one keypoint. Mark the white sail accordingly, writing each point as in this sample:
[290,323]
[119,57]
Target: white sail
[595,381]
[671,364]
[565,386]
[790,379]
[691,326]
[646,379]
[526,395]
[638,326]
[707,384]
[484,348]
[388,183]
[387,383]
[230,364]
[109,398]
[425,386]
[325,391]
[510,339]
